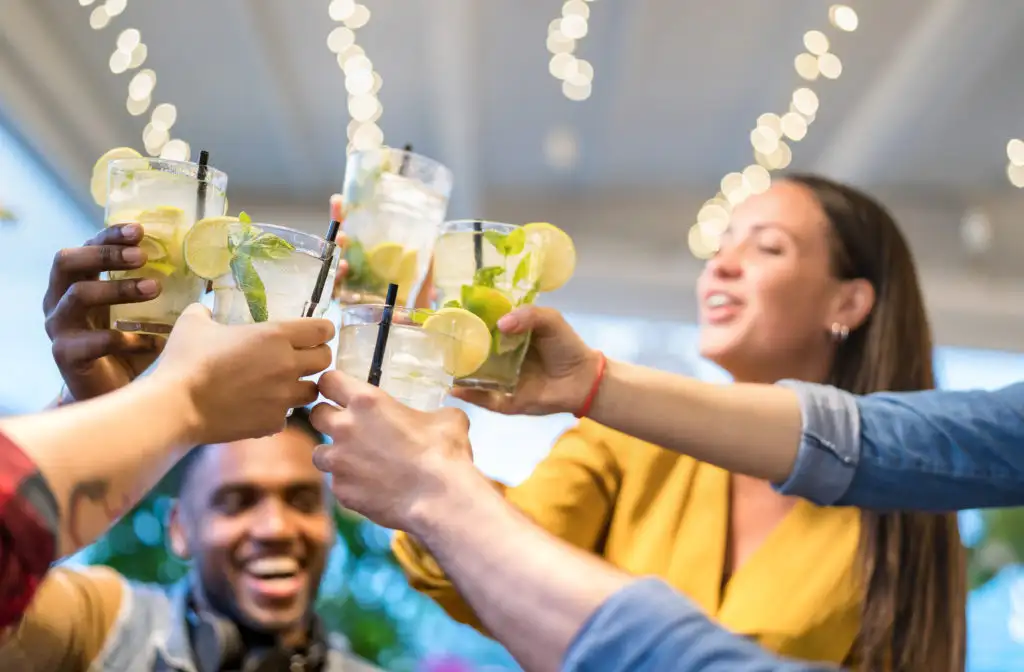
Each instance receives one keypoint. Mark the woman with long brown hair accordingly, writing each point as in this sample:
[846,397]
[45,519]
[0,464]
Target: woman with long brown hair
[813,281]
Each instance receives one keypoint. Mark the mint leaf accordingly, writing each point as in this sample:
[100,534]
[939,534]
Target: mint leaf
[244,217]
[268,246]
[466,294]
[486,276]
[522,270]
[515,242]
[422,315]
[497,240]
[454,303]
[530,297]
[249,283]
[355,255]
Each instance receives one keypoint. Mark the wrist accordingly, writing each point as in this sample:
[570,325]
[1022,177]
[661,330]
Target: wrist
[177,406]
[460,488]
[588,385]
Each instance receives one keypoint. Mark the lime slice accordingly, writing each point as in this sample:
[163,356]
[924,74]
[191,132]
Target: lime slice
[473,336]
[206,247]
[154,248]
[487,303]
[559,255]
[101,169]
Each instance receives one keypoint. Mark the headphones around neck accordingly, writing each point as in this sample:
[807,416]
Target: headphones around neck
[218,644]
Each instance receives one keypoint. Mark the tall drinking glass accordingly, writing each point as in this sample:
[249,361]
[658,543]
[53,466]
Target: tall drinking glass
[418,362]
[165,197]
[394,203]
[267,272]
[489,268]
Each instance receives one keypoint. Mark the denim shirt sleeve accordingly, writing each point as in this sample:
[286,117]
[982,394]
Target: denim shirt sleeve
[926,451]
[649,627]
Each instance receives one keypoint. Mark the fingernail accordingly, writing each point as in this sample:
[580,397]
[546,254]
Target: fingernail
[147,287]
[131,230]
[133,255]
[508,322]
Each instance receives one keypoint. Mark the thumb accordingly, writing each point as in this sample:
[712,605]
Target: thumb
[543,322]
[196,312]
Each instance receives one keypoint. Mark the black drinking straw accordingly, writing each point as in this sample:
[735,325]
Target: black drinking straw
[405,159]
[377,363]
[325,267]
[204,161]
[478,244]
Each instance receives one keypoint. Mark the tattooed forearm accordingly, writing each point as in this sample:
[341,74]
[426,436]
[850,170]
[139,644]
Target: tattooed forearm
[92,508]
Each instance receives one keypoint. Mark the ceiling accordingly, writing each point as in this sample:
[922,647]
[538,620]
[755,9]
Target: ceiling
[931,89]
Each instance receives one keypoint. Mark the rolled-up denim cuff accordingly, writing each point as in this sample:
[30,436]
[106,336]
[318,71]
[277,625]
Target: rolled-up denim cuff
[830,443]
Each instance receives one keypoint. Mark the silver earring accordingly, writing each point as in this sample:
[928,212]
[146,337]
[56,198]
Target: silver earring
[840,332]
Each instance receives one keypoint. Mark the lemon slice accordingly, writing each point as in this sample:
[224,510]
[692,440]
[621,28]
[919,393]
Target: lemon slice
[473,336]
[487,303]
[162,267]
[124,217]
[559,255]
[408,274]
[154,248]
[206,247]
[388,260]
[101,169]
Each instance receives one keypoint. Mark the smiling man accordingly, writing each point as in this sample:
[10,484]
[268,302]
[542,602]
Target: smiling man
[254,519]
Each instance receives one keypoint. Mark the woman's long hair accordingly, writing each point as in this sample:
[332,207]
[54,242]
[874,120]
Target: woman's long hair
[912,564]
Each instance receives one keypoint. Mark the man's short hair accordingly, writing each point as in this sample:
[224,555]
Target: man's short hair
[299,419]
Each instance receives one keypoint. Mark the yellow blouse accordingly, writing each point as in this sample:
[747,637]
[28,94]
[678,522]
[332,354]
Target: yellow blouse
[649,511]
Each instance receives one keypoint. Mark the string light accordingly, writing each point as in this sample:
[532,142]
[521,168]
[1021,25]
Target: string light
[1015,168]
[564,34]
[362,82]
[773,134]
[130,53]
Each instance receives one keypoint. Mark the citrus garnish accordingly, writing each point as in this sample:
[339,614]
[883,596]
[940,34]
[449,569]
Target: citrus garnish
[472,335]
[154,248]
[206,248]
[101,170]
[162,267]
[559,255]
[123,217]
[390,262]
[487,303]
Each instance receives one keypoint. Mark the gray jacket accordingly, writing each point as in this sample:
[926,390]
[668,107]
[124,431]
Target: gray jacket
[152,634]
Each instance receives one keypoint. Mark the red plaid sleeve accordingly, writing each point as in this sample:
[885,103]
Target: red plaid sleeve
[28,531]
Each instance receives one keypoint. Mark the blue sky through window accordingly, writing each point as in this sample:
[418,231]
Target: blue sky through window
[48,219]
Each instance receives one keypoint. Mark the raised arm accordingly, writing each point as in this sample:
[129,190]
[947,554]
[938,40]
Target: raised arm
[553,605]
[71,472]
[932,450]
[571,494]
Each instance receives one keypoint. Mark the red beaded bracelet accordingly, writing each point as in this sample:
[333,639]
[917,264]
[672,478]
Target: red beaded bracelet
[602,362]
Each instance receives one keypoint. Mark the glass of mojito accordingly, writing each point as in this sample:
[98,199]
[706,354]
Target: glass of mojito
[394,203]
[165,197]
[425,350]
[260,272]
[490,268]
